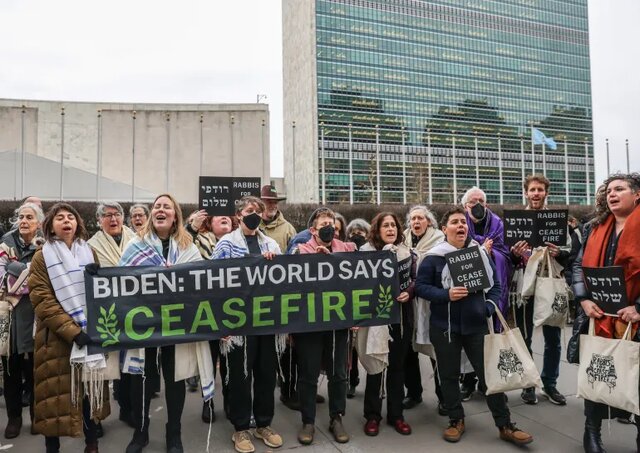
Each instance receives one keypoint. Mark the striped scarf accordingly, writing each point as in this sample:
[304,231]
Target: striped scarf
[190,358]
[65,268]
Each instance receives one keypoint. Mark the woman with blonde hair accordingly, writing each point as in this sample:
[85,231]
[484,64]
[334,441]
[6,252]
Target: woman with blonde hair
[164,241]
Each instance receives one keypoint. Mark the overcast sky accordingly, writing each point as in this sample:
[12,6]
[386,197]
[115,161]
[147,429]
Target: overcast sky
[213,51]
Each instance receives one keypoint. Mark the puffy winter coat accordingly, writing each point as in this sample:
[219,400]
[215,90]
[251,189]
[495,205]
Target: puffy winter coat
[55,415]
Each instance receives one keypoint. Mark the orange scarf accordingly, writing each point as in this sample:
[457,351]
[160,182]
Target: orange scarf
[627,256]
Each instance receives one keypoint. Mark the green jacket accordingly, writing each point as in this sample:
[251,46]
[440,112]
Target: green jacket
[279,230]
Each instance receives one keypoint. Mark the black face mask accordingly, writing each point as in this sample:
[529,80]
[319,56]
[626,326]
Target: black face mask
[478,211]
[326,233]
[357,240]
[252,221]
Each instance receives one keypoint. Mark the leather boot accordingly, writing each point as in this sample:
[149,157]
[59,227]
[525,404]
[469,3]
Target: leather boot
[592,441]
[173,438]
[138,442]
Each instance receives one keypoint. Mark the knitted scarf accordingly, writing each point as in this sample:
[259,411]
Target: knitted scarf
[627,256]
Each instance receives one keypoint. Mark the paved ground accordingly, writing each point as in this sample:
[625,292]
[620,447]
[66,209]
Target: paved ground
[555,429]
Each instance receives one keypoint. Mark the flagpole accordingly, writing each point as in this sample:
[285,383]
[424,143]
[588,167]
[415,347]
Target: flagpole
[350,166]
[61,153]
[500,168]
[429,165]
[453,163]
[99,155]
[608,168]
[566,171]
[404,170]
[475,143]
[586,154]
[626,144]
[324,188]
[22,160]
[533,154]
[544,159]
[522,163]
[377,165]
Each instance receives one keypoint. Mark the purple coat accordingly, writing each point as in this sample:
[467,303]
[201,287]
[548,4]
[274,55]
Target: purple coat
[494,229]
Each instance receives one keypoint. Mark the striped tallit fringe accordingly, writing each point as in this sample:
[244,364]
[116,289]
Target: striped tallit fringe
[87,382]
[281,345]
[227,346]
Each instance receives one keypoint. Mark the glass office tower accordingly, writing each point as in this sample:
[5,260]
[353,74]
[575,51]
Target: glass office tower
[416,101]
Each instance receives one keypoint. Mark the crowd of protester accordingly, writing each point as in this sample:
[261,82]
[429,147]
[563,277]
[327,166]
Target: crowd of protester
[46,363]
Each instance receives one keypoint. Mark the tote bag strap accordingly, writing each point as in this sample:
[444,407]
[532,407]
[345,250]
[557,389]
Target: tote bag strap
[505,326]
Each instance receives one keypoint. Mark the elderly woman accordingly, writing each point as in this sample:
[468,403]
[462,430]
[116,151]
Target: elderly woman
[458,322]
[611,239]
[385,234]
[16,253]
[420,236]
[251,360]
[163,241]
[357,232]
[56,285]
[108,244]
[138,216]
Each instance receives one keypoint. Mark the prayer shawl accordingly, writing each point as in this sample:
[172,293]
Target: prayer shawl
[191,359]
[447,282]
[105,246]
[430,238]
[421,307]
[627,256]
[373,342]
[234,245]
[65,268]
[494,229]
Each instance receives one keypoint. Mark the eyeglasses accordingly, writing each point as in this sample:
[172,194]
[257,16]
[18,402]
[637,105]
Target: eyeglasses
[113,215]
[138,216]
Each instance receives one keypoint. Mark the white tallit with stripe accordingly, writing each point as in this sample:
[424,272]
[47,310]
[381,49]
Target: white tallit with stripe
[65,267]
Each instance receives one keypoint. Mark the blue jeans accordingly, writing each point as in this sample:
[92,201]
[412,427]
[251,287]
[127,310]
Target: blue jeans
[552,343]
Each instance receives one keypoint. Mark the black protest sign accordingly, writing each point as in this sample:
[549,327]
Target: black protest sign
[467,269]
[536,227]
[404,273]
[217,194]
[137,307]
[552,226]
[606,287]
[519,225]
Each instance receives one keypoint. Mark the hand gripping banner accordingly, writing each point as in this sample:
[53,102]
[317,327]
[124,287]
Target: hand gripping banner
[137,307]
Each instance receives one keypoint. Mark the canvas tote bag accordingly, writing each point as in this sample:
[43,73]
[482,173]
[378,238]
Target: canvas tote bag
[551,299]
[609,370]
[507,362]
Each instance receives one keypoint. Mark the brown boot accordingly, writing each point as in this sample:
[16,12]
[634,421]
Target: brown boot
[455,430]
[510,433]
[13,428]
[337,429]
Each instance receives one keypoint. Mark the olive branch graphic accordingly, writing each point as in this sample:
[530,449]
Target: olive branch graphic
[108,326]
[385,302]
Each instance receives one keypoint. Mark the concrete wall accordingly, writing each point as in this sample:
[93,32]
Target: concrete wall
[300,100]
[170,142]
